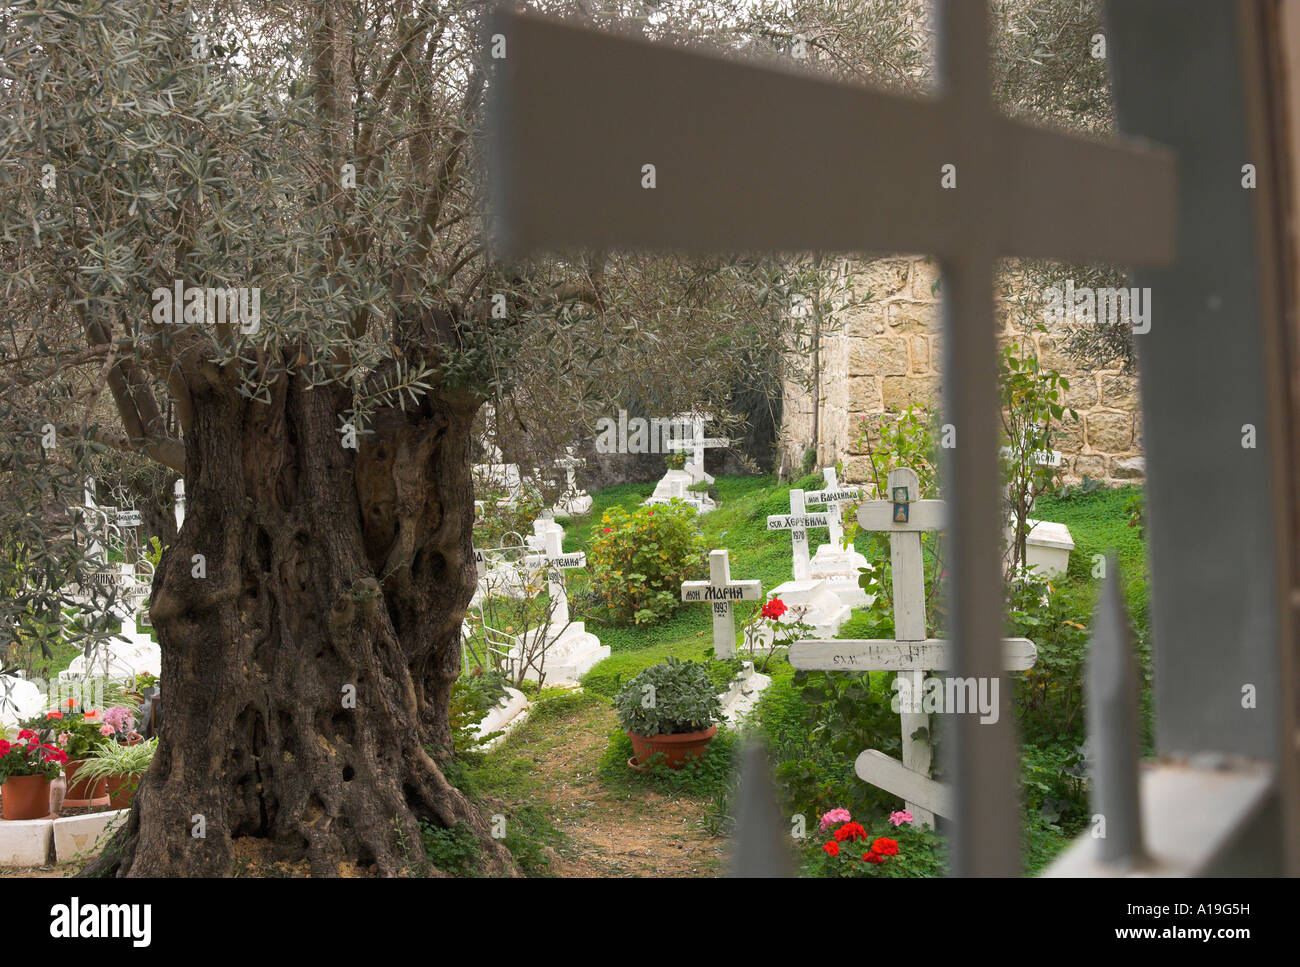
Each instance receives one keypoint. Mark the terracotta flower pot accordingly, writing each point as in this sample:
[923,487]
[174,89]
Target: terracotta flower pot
[673,751]
[25,797]
[82,791]
[121,790]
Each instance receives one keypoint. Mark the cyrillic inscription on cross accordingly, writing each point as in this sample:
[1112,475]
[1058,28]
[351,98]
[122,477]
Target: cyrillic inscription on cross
[910,652]
[720,591]
[831,497]
[556,562]
[797,523]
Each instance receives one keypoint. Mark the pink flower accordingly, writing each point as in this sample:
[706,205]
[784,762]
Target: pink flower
[835,816]
[106,730]
[900,817]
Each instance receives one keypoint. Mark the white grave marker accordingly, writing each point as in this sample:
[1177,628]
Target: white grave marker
[797,523]
[840,565]
[180,504]
[697,442]
[910,652]
[720,591]
[574,502]
[569,649]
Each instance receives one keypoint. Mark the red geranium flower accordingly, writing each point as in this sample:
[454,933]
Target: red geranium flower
[4,748]
[885,846]
[774,608]
[832,848]
[54,715]
[608,530]
[850,831]
[873,857]
[26,734]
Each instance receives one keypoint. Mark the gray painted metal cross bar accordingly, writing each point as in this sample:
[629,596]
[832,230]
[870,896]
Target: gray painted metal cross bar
[576,116]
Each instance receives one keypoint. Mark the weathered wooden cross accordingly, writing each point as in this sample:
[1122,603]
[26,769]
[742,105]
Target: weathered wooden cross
[831,497]
[601,142]
[909,652]
[720,591]
[797,522]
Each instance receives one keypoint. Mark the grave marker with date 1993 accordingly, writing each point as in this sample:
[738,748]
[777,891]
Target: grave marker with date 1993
[910,652]
[720,591]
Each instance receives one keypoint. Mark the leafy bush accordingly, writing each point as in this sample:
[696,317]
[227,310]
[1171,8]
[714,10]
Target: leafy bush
[905,439]
[668,699]
[640,558]
[472,697]
[455,850]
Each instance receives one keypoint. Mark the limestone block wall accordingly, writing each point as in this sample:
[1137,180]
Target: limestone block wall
[889,353]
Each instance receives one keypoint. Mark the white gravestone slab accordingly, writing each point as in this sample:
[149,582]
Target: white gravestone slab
[19,699]
[840,565]
[570,650]
[673,485]
[720,591]
[911,653]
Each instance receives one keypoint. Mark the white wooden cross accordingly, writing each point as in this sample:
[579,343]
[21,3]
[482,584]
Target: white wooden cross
[698,443]
[797,523]
[693,137]
[909,652]
[556,562]
[831,497]
[720,591]
[569,464]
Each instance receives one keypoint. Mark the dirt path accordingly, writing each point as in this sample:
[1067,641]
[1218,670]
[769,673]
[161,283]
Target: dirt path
[612,831]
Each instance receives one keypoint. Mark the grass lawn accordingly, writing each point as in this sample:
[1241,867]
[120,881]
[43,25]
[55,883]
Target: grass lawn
[564,771]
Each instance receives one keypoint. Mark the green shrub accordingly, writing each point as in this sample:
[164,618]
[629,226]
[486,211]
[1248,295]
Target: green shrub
[668,699]
[640,558]
[454,850]
[472,697]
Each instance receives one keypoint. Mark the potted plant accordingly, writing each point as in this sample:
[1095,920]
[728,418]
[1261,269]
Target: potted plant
[121,767]
[26,770]
[668,712]
[119,726]
[78,733]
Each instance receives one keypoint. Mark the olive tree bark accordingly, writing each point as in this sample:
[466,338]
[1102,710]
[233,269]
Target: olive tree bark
[309,617]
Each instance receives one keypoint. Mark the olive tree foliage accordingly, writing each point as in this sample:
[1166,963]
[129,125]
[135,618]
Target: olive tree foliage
[1051,68]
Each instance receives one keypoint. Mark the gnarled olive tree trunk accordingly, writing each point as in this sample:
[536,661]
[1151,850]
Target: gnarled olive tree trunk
[309,617]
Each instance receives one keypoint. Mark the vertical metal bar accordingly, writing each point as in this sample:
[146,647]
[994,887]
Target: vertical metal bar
[1214,547]
[986,834]
[761,847]
[1113,727]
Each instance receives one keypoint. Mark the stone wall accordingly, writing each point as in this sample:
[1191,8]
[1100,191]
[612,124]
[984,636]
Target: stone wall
[889,353]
